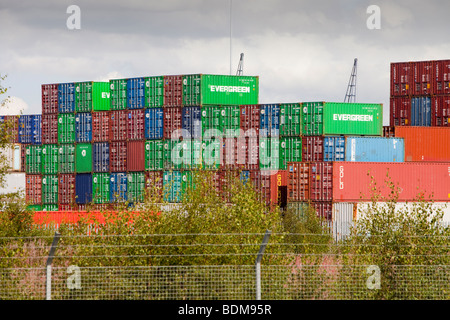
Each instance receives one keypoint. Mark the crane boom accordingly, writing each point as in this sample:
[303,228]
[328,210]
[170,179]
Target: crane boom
[350,95]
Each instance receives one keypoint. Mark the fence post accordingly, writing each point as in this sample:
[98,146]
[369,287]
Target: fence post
[48,291]
[258,264]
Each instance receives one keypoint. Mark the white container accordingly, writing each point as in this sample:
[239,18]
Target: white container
[13,157]
[14,182]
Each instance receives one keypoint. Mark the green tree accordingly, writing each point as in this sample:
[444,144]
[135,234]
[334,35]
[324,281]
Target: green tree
[6,133]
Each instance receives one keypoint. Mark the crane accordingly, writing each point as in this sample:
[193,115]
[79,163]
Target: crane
[350,96]
[240,70]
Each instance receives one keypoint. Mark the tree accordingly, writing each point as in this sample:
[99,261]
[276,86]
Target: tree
[6,134]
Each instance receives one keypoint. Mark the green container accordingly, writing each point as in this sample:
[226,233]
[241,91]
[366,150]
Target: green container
[118,90]
[66,128]
[186,154]
[50,207]
[312,118]
[50,159]
[154,92]
[231,121]
[171,155]
[92,96]
[290,151]
[136,187]
[83,157]
[207,89]
[33,159]
[269,153]
[298,208]
[154,155]
[211,121]
[34,207]
[353,119]
[100,188]
[50,189]
[211,153]
[290,119]
[66,158]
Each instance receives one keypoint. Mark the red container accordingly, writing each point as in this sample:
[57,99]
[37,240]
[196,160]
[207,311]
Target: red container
[321,181]
[242,152]
[173,91]
[324,209]
[297,181]
[441,77]
[400,113]
[388,131]
[50,128]
[401,79]
[422,78]
[352,180]
[49,98]
[135,155]
[425,143]
[100,126]
[66,188]
[278,180]
[440,111]
[33,190]
[250,117]
[118,156]
[312,148]
[66,207]
[136,125]
[118,125]
[14,132]
[154,178]
[23,157]
[172,122]
[261,182]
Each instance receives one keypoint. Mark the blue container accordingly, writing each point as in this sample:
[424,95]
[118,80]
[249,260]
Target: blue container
[118,187]
[83,188]
[135,93]
[245,176]
[83,127]
[421,111]
[154,124]
[66,97]
[172,186]
[191,122]
[374,149]
[30,129]
[269,120]
[100,157]
[334,148]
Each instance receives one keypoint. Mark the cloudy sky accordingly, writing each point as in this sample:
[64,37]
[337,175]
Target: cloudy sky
[301,50]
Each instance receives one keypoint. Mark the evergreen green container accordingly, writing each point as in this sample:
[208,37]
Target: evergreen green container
[136,187]
[118,91]
[154,155]
[92,96]
[66,158]
[207,89]
[83,157]
[66,128]
[50,159]
[269,153]
[33,159]
[290,151]
[154,92]
[50,189]
[100,188]
[290,119]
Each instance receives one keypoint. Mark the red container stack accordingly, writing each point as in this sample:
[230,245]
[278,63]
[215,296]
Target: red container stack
[173,91]
[321,181]
[118,125]
[172,122]
[118,156]
[49,98]
[298,181]
[100,126]
[423,78]
[250,117]
[135,155]
[66,189]
[50,128]
[312,148]
[136,125]
[33,191]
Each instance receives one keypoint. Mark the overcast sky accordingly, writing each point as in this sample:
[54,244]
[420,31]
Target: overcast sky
[301,50]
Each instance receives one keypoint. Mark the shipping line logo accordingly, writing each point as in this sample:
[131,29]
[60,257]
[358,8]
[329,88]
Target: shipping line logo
[229,89]
[352,117]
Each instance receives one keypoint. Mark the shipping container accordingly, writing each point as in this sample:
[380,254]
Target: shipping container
[66,188]
[136,155]
[172,122]
[50,128]
[49,159]
[100,126]
[389,131]
[10,124]
[24,157]
[83,157]
[312,148]
[401,79]
[191,122]
[230,121]
[211,153]
[324,209]
[312,118]
[420,111]
[30,129]
[343,218]
[334,148]
[441,77]
[35,207]
[136,124]
[51,207]
[154,184]
[321,181]
[49,98]
[118,187]
[269,153]
[250,120]
[211,121]
[13,157]
[247,152]
[173,91]
[33,159]
[154,155]
[374,149]
[261,181]
[33,190]
[100,188]
[66,97]
[66,128]
[173,154]
[290,151]
[189,152]
[118,156]
[278,187]
[50,189]
[92,96]
[425,144]
[136,93]
[154,92]
[100,157]
[118,90]
[269,120]
[172,186]
[66,158]
[440,111]
[83,127]
[352,180]
[135,187]
[154,123]
[14,183]
[400,113]
[207,89]
[118,125]
[298,181]
[83,188]
[422,78]
[290,119]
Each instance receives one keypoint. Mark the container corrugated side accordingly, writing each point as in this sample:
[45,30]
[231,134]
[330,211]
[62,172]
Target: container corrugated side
[401,79]
[334,148]
[135,187]
[50,189]
[298,181]
[172,122]
[440,111]
[136,93]
[312,148]
[154,155]
[100,157]
[118,125]
[33,190]
[83,188]
[49,98]
[66,188]
[83,157]
[374,149]
[441,77]
[33,159]
[118,90]
[154,92]
[66,128]
[100,126]
[191,123]
[172,189]
[50,128]
[321,181]
[136,155]
[66,158]
[66,97]
[92,96]
[269,120]
[100,188]
[421,111]
[154,123]
[118,156]
[290,119]
[136,124]
[49,159]
[83,127]
[290,151]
